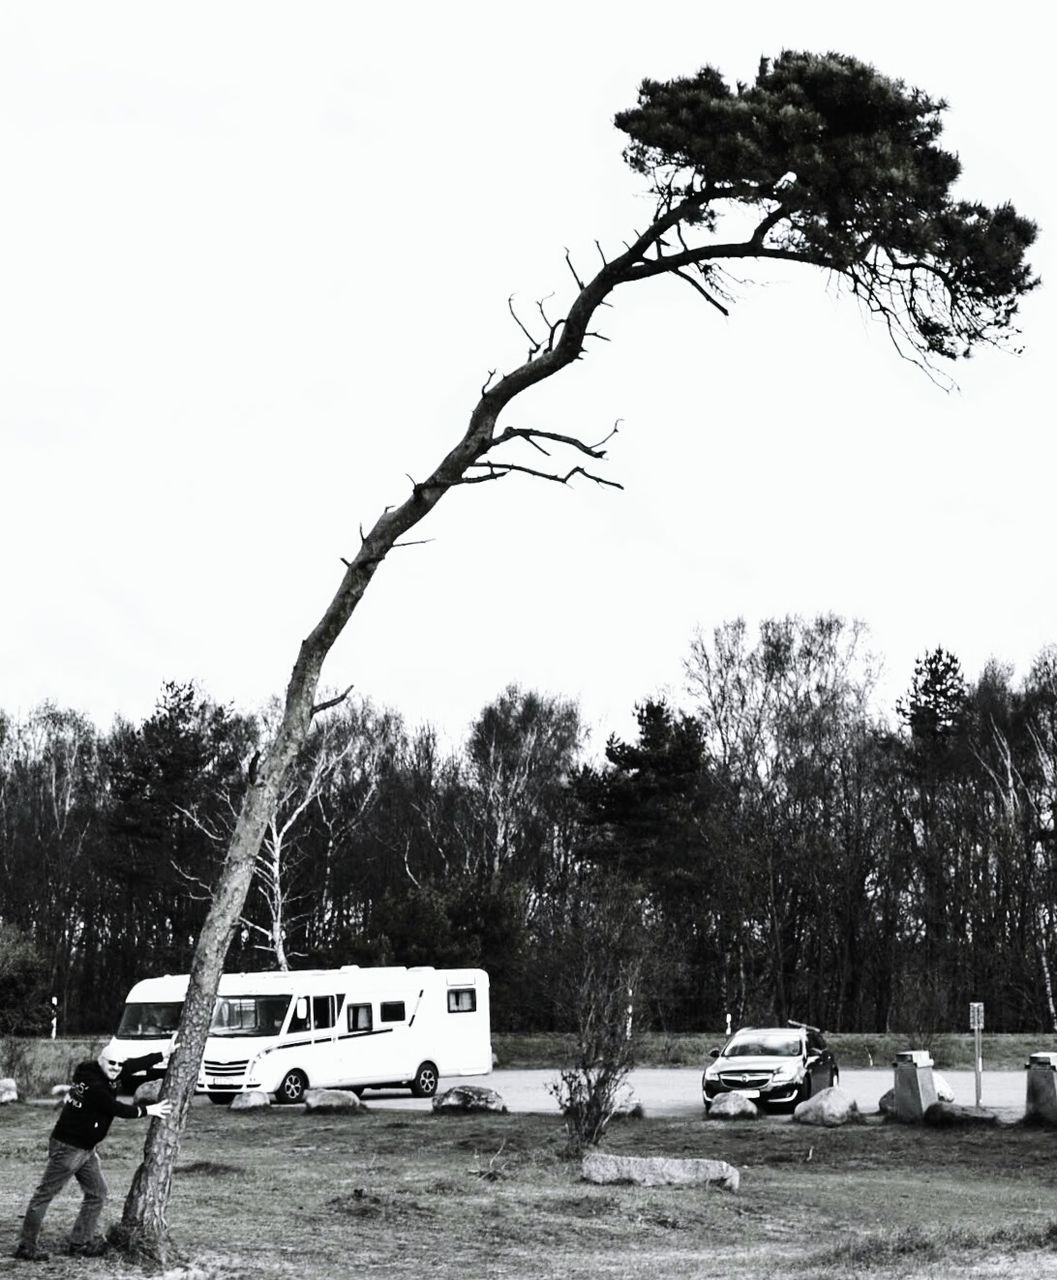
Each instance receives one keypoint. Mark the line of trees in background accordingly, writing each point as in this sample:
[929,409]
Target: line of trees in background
[787,849]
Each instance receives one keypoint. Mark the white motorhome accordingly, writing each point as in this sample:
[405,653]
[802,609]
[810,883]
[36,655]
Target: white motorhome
[286,1031]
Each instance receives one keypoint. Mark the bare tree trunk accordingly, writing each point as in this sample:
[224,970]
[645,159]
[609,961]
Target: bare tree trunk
[1044,961]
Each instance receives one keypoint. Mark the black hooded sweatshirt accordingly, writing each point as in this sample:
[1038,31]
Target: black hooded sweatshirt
[93,1103]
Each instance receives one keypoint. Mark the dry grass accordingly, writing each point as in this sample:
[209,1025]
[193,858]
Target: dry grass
[37,1064]
[279,1194]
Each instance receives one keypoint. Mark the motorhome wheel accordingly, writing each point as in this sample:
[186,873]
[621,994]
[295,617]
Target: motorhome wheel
[292,1087]
[424,1084]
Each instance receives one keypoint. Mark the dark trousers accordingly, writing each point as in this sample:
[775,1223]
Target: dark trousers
[66,1162]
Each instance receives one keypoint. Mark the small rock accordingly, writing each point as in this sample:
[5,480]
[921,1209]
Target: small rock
[148,1091]
[830,1108]
[628,1107]
[658,1171]
[250,1100]
[328,1101]
[733,1106]
[469,1097]
[8,1090]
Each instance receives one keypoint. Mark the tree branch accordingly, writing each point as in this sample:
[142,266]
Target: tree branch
[532,435]
[701,290]
[497,470]
[569,263]
[534,346]
[331,702]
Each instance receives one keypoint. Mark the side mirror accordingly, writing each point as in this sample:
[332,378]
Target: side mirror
[301,1008]
[713,1053]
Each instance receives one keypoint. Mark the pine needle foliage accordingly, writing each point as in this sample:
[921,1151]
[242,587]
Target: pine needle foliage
[845,165]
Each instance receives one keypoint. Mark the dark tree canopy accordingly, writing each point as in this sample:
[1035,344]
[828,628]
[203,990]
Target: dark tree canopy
[844,164]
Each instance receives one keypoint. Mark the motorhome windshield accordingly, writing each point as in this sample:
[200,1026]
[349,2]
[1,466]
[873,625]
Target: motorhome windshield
[149,1021]
[248,1015]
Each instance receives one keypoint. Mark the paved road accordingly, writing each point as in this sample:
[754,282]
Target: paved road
[676,1091]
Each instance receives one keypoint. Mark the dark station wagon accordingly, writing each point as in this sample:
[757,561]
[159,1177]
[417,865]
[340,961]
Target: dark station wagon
[773,1066]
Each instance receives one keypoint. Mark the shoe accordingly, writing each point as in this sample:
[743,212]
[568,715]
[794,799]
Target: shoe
[94,1248]
[31,1253]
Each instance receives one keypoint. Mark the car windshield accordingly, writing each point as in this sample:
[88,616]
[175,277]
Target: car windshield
[764,1044]
[149,1021]
[249,1015]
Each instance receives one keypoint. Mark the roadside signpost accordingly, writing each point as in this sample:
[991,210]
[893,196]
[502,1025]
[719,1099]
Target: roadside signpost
[976,1026]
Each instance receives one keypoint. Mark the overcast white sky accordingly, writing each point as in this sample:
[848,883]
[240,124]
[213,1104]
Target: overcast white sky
[254,264]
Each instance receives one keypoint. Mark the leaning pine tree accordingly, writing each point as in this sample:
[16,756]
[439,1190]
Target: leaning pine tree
[821,161]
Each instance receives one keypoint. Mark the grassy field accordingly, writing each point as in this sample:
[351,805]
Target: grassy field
[282,1193]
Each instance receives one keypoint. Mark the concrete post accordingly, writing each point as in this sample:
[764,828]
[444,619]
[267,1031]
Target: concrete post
[915,1090]
[1041,1103]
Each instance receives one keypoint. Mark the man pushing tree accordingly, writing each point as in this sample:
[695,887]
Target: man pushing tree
[82,1124]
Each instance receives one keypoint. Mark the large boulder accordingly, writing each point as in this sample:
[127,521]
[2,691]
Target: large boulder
[329,1101]
[733,1106]
[8,1090]
[830,1108]
[886,1104]
[468,1097]
[148,1091]
[658,1171]
[250,1100]
[946,1115]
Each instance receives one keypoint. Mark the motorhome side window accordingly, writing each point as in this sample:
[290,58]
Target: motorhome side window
[359,1016]
[391,1011]
[323,1011]
[462,1000]
[300,1019]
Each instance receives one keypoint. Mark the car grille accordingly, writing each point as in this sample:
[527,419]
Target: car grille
[222,1070]
[744,1079]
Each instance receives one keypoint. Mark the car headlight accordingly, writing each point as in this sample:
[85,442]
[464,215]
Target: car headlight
[711,1073]
[788,1071]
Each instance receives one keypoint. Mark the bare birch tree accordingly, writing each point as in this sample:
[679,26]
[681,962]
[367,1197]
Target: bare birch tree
[337,744]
